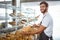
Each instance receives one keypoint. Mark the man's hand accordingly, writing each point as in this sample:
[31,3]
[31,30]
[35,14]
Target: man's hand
[37,16]
[36,25]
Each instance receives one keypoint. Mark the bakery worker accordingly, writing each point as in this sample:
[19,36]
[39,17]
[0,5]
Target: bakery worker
[45,28]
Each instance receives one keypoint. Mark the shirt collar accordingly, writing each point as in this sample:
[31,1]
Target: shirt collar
[45,14]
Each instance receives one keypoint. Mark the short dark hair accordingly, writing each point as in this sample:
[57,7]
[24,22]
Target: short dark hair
[43,2]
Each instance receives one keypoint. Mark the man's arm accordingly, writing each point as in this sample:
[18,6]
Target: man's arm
[43,26]
[39,30]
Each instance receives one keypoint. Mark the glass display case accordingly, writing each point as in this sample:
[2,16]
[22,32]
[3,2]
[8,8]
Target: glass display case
[14,17]
[9,16]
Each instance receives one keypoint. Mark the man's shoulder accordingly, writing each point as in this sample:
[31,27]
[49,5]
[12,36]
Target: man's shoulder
[48,16]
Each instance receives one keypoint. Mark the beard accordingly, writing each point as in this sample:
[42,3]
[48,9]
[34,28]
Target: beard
[44,11]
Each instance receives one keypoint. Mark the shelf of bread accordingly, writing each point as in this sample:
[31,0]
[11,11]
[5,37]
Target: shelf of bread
[18,14]
[18,36]
[22,18]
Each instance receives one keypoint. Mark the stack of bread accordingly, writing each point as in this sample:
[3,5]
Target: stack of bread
[18,14]
[18,36]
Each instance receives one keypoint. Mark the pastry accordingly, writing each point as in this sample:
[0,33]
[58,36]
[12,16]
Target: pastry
[12,23]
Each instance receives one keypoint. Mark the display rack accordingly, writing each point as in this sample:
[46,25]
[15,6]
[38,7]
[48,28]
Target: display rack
[15,7]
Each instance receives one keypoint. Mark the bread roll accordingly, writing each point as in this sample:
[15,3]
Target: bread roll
[12,23]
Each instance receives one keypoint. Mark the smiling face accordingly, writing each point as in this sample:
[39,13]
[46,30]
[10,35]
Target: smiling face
[43,8]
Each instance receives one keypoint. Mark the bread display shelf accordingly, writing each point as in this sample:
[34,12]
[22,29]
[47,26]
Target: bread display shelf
[18,22]
[18,36]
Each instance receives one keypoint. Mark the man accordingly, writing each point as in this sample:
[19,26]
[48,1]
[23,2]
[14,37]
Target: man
[46,26]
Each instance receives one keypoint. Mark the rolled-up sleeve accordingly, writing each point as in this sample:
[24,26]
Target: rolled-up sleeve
[45,22]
